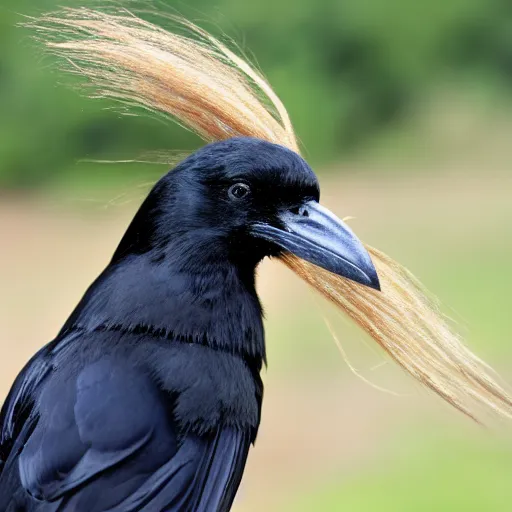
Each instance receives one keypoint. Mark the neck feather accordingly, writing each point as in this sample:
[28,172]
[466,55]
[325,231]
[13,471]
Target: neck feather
[188,291]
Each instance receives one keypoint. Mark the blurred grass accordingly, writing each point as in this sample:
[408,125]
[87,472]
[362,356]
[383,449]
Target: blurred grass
[442,474]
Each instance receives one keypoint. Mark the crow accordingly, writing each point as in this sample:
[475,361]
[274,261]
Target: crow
[150,396]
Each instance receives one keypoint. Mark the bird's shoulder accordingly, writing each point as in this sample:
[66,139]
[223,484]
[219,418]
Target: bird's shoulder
[211,386]
[203,386]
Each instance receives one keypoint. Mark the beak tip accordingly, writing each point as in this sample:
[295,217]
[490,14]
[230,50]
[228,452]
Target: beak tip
[375,283]
[373,279]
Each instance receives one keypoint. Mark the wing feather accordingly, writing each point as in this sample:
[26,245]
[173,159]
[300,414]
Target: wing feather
[107,440]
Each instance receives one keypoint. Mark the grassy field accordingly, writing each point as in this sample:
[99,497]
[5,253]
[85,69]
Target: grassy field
[329,441]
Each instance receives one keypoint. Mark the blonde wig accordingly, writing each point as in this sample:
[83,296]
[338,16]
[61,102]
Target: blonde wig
[205,86]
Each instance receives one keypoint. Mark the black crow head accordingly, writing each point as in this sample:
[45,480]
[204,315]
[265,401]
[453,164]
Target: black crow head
[244,199]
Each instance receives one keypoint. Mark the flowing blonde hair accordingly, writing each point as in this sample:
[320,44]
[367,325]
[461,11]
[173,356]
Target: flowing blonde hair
[203,85]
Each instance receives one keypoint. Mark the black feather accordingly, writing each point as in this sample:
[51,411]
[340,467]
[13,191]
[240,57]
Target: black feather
[150,396]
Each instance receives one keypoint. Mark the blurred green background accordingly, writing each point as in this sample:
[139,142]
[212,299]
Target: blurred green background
[405,109]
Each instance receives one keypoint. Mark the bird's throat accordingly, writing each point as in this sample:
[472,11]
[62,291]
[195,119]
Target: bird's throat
[211,302]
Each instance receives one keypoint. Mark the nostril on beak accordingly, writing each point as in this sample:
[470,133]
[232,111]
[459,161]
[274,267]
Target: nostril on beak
[303,211]
[300,210]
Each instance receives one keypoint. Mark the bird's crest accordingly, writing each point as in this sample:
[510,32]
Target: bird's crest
[206,87]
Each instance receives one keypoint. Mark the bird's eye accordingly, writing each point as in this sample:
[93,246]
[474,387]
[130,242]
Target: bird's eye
[238,191]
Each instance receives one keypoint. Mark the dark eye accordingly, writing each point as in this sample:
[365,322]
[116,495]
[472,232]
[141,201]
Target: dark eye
[238,191]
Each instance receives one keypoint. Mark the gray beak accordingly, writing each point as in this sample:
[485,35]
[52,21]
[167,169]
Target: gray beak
[315,234]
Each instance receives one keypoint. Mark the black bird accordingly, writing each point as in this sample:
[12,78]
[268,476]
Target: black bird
[150,396]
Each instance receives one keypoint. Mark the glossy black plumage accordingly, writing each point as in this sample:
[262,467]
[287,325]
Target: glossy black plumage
[150,396]
[120,424]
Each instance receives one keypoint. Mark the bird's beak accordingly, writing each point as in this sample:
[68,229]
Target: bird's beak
[315,234]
